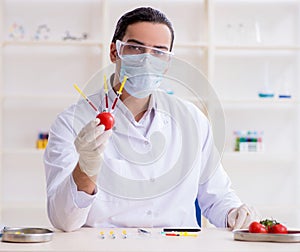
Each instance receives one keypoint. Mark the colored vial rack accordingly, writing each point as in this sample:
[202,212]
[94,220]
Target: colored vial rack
[42,140]
[248,141]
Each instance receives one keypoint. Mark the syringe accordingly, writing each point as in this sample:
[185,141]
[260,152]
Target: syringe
[119,93]
[86,98]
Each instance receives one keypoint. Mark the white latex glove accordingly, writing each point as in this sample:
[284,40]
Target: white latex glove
[90,144]
[242,217]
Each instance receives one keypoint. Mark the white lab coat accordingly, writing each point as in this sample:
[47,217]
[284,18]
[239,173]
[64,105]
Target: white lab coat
[153,170]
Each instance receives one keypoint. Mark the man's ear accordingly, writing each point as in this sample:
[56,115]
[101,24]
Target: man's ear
[113,52]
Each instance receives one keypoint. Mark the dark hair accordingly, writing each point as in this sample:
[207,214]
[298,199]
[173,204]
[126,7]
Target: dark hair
[142,14]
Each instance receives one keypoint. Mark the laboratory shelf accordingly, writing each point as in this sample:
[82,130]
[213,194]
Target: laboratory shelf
[23,151]
[50,101]
[192,45]
[32,214]
[52,43]
[263,103]
[255,2]
[258,47]
[31,158]
[257,159]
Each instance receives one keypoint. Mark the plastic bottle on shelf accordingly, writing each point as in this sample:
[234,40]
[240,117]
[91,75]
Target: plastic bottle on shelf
[243,146]
[237,140]
[252,144]
[283,92]
[266,91]
[42,140]
[260,143]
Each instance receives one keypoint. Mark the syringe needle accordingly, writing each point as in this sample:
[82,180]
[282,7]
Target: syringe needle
[86,98]
[119,93]
[106,93]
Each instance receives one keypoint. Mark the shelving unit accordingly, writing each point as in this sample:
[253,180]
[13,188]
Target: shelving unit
[53,43]
[37,84]
[247,36]
[1,103]
[230,41]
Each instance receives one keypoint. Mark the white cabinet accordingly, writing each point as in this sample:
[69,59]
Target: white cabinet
[256,48]
[37,78]
[241,46]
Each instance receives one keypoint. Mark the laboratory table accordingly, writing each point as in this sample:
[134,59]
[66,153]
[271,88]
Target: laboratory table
[89,239]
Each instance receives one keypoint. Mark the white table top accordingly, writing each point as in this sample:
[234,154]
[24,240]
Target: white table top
[88,239]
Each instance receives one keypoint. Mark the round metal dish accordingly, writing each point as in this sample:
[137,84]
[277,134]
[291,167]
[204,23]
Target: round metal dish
[245,235]
[26,235]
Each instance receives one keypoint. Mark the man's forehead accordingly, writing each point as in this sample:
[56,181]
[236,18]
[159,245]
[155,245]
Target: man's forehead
[151,34]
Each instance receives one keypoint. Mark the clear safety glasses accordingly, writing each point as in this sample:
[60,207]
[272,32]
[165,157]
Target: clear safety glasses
[124,48]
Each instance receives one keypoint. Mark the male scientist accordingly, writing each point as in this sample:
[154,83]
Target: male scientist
[148,170]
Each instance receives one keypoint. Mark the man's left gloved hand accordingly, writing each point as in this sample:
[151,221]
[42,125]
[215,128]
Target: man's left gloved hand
[242,217]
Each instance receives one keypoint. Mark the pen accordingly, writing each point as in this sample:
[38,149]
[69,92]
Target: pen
[143,231]
[179,234]
[188,234]
[171,234]
[180,229]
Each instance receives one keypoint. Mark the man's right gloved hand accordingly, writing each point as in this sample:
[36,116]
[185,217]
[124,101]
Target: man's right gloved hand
[90,144]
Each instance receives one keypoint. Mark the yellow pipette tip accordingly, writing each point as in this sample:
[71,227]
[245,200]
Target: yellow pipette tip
[102,236]
[124,234]
[112,234]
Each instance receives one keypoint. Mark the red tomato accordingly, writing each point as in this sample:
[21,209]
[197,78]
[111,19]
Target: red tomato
[278,229]
[256,227]
[106,119]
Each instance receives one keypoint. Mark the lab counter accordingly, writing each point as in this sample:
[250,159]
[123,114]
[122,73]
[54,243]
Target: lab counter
[90,239]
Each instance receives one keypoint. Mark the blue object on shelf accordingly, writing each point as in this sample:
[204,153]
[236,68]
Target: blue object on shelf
[284,96]
[265,95]
[170,92]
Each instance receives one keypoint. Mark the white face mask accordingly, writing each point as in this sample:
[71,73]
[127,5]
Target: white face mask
[144,73]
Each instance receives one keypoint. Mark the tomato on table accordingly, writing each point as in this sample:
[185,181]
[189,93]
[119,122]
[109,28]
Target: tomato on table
[278,229]
[267,226]
[256,227]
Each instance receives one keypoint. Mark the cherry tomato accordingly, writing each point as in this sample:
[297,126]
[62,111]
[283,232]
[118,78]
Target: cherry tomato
[278,229]
[106,119]
[256,227]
